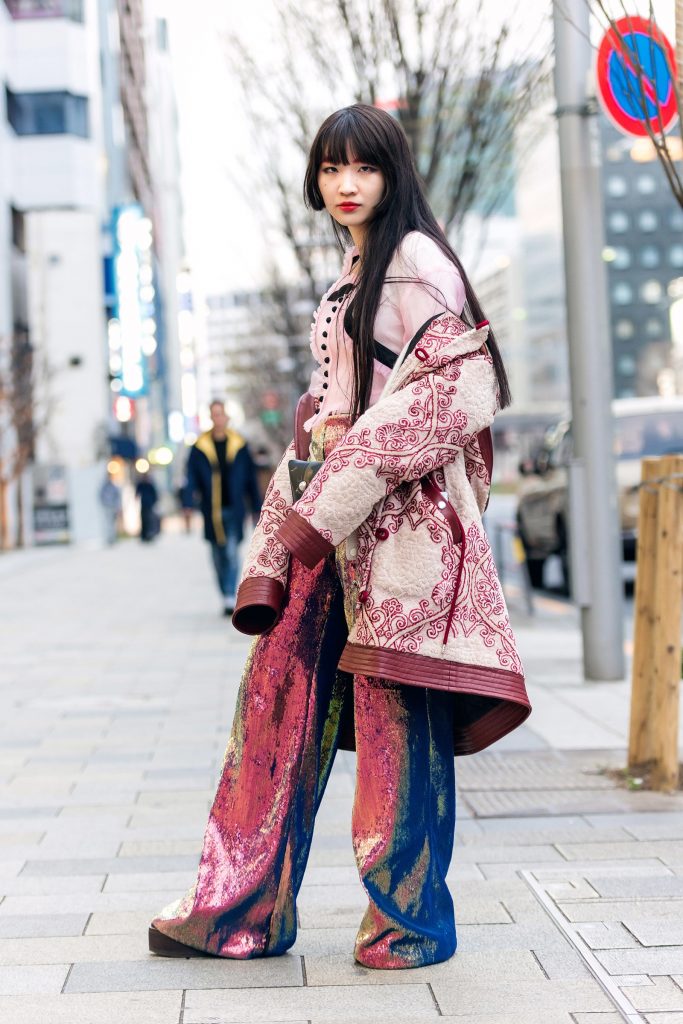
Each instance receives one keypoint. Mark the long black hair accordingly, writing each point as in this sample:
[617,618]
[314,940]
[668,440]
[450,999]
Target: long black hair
[364,133]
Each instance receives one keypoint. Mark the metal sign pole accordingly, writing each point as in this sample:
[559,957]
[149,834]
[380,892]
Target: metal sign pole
[596,557]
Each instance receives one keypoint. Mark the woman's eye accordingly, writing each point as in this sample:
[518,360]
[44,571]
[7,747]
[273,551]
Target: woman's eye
[326,170]
[368,167]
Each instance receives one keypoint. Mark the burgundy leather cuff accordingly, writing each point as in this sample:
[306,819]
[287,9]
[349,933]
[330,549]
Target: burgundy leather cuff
[258,604]
[302,540]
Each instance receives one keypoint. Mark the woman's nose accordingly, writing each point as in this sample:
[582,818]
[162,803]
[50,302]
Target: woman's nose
[347,183]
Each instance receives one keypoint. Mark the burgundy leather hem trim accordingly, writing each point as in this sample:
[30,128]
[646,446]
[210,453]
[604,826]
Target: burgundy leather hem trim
[501,685]
[258,605]
[303,540]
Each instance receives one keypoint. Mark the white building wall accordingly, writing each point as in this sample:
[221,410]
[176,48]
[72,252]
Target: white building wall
[66,317]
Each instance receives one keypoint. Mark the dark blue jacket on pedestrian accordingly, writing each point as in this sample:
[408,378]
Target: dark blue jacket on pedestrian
[204,482]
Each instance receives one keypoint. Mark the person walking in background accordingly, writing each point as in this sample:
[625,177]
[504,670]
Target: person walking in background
[221,472]
[110,500]
[147,493]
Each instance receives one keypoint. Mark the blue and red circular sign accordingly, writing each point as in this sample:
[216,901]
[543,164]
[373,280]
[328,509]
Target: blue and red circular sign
[629,102]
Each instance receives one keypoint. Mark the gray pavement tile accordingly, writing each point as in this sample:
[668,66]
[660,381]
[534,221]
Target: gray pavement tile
[17,813]
[156,974]
[666,931]
[30,980]
[45,925]
[597,1018]
[480,854]
[38,885]
[85,903]
[639,886]
[563,964]
[665,850]
[112,1008]
[122,922]
[485,937]
[340,969]
[80,949]
[664,1018]
[325,941]
[573,889]
[338,1003]
[653,960]
[576,869]
[621,910]
[576,995]
[663,994]
[110,866]
[607,935]
[129,882]
[161,848]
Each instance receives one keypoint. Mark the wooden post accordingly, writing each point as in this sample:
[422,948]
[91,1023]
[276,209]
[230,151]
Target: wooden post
[640,747]
[666,633]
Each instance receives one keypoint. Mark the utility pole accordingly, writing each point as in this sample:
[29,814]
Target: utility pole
[595,547]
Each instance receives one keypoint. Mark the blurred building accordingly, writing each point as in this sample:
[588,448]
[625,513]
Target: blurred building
[53,195]
[83,180]
[254,363]
[644,254]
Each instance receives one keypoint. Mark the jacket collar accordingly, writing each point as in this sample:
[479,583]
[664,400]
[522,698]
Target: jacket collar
[418,359]
[205,444]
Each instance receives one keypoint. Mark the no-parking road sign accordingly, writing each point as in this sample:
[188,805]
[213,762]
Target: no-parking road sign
[628,102]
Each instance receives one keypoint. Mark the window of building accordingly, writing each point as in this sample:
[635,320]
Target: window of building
[616,186]
[626,364]
[624,329]
[653,327]
[622,293]
[30,9]
[622,258]
[619,221]
[647,220]
[651,291]
[48,113]
[676,255]
[649,256]
[646,184]
[676,219]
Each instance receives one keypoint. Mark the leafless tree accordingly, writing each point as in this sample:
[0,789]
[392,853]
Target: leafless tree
[458,89]
[668,148]
[21,420]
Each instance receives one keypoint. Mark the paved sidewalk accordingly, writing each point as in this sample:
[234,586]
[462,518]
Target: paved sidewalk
[117,684]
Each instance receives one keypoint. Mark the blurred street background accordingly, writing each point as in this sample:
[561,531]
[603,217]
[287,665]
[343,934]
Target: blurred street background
[155,256]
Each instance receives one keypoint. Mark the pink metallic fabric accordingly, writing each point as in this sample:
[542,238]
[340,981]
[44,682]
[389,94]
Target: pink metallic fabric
[291,710]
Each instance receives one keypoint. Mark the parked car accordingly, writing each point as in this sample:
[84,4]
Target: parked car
[642,426]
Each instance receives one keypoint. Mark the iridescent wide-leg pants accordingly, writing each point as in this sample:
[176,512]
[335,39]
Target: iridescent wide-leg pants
[290,712]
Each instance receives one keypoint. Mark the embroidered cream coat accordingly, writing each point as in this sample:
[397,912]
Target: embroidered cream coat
[407,487]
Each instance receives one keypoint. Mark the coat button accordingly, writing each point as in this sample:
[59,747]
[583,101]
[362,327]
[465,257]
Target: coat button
[421,354]
[328,319]
[325,386]
[334,309]
[363,596]
[327,359]
[326,373]
[323,347]
[382,533]
[324,334]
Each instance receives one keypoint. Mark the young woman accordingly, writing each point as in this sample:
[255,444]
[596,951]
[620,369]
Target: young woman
[383,625]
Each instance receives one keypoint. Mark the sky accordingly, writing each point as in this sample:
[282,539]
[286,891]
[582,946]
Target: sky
[225,244]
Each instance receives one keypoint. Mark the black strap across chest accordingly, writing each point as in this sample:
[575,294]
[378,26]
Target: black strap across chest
[381,353]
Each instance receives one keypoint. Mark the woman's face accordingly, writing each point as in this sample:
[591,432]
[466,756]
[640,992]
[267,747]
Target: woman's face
[351,193]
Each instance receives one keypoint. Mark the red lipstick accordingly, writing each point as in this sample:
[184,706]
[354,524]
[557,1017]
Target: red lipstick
[348,207]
